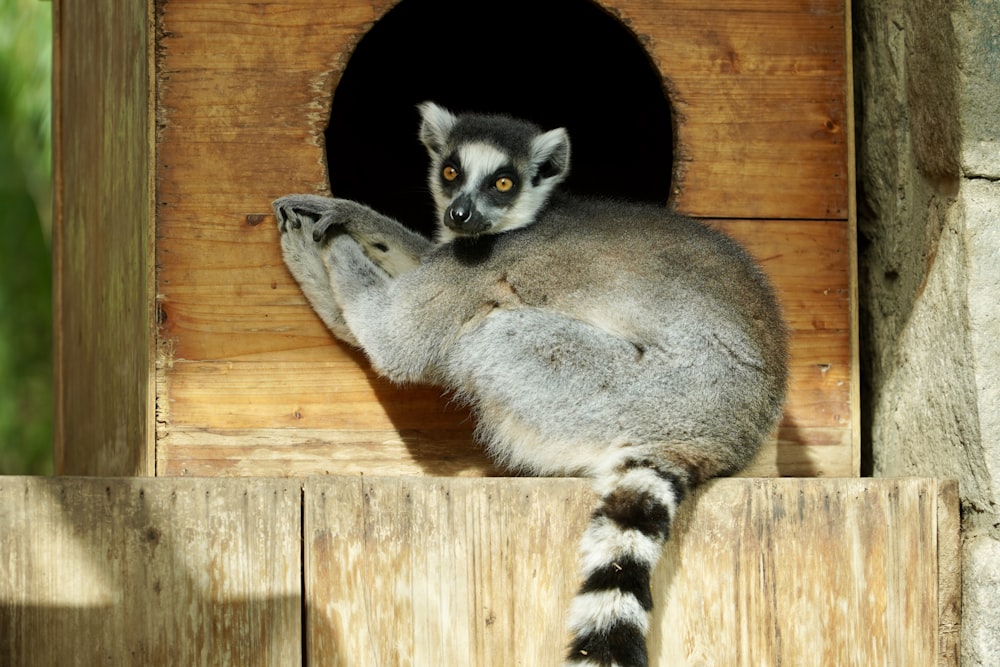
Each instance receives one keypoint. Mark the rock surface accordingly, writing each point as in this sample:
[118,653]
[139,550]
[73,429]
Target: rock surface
[927,83]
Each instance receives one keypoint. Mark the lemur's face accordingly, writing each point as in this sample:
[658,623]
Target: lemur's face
[480,189]
[489,174]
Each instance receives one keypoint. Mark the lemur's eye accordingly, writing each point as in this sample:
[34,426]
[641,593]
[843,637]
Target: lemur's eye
[449,173]
[504,184]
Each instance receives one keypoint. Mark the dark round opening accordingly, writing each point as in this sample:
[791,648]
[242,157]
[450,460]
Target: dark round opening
[559,63]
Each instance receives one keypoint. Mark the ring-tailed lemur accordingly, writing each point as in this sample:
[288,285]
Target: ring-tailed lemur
[617,341]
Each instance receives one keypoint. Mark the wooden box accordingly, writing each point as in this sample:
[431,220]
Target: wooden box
[184,346]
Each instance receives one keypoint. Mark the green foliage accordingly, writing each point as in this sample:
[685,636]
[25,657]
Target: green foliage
[26,404]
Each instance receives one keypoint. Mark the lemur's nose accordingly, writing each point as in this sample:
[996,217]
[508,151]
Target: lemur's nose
[460,210]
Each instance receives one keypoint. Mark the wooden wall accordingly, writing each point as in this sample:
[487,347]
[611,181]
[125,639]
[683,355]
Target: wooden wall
[248,380]
[414,571]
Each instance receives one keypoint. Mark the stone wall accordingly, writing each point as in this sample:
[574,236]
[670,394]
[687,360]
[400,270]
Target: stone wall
[927,86]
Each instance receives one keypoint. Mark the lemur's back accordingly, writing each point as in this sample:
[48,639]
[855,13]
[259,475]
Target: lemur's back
[619,255]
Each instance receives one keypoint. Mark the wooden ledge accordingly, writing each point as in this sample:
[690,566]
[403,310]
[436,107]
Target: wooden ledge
[472,571]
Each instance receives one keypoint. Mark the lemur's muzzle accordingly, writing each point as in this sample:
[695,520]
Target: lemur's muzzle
[463,217]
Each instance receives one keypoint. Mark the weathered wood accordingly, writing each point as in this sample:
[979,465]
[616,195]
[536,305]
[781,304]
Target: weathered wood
[837,572]
[760,91]
[760,572]
[103,238]
[424,571]
[949,547]
[439,572]
[150,572]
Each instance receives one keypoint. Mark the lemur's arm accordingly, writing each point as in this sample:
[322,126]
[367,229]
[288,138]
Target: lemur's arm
[309,222]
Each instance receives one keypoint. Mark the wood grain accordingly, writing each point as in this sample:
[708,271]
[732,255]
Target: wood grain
[811,574]
[760,572]
[479,572]
[102,238]
[760,93]
[949,548]
[379,551]
[150,572]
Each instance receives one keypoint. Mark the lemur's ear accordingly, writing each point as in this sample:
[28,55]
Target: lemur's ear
[436,124]
[550,155]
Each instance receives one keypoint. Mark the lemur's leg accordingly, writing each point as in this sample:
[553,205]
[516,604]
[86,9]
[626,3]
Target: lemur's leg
[308,222]
[395,343]
[303,257]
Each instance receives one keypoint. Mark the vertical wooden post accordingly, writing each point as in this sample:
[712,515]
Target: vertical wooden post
[103,237]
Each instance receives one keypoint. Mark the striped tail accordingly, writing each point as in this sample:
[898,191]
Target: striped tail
[609,616]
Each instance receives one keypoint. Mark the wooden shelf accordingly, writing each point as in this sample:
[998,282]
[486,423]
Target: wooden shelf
[360,571]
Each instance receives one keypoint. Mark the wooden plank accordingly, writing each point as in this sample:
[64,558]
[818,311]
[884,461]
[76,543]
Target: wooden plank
[233,395]
[839,572]
[150,572]
[247,418]
[793,452]
[801,572]
[306,452]
[759,89]
[102,238]
[365,426]
[949,524]
[379,552]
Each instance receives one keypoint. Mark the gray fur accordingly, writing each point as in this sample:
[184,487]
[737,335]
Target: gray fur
[591,337]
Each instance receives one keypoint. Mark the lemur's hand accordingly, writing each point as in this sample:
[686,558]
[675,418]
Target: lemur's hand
[323,213]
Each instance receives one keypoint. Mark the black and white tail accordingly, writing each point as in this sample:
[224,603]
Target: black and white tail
[609,616]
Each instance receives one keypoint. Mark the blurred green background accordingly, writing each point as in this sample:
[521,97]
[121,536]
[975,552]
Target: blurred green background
[26,404]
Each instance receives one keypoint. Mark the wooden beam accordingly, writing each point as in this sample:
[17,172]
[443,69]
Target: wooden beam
[103,237]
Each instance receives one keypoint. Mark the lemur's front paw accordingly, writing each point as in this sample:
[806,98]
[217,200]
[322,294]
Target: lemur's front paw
[292,211]
[322,213]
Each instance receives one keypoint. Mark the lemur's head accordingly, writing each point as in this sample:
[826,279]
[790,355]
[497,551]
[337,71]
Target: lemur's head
[489,174]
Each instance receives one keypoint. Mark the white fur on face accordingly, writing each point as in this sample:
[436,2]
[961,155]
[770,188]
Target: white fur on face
[479,161]
[525,208]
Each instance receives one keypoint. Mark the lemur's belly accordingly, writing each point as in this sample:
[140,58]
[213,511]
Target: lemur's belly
[554,393]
